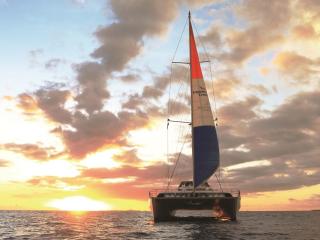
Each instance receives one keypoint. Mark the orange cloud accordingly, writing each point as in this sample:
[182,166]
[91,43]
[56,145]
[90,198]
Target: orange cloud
[32,151]
[299,67]
[4,163]
[27,103]
[304,31]
[264,71]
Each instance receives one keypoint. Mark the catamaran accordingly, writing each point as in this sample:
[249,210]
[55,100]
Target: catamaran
[196,198]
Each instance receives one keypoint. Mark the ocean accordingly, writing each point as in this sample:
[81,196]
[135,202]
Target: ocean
[139,225]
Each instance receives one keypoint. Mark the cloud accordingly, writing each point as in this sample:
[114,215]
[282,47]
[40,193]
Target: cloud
[78,2]
[300,68]
[311,7]
[127,181]
[32,151]
[213,37]
[92,82]
[27,103]
[177,107]
[264,30]
[123,40]
[130,78]
[89,127]
[305,32]
[128,157]
[4,163]
[54,63]
[225,85]
[151,92]
[51,101]
[100,129]
[134,101]
[35,54]
[240,111]
[66,184]
[287,137]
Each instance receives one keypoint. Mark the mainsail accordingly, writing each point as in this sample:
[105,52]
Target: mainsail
[205,145]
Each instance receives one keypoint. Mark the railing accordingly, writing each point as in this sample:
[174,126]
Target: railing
[176,193]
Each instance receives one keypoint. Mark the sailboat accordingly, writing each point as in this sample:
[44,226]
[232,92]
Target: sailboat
[196,198]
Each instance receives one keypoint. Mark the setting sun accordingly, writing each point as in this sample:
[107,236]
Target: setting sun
[78,203]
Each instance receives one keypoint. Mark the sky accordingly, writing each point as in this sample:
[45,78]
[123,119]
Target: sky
[84,91]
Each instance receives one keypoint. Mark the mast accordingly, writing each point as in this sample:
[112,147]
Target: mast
[192,142]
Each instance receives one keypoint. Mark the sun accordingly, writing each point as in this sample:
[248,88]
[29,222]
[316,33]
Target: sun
[79,203]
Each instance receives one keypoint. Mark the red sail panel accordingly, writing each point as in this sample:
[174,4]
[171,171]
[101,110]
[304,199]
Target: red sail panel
[194,57]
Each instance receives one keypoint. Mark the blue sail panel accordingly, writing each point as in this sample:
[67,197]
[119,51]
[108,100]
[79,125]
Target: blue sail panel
[205,153]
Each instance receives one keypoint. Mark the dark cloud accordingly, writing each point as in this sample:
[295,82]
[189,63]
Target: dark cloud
[128,157]
[134,101]
[99,130]
[92,82]
[178,107]
[287,138]
[151,92]
[241,111]
[267,178]
[52,102]
[213,37]
[130,78]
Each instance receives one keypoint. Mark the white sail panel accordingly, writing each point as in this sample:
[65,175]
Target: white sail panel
[201,110]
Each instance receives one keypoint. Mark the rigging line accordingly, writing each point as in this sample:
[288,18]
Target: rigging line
[176,121]
[180,115]
[177,161]
[171,68]
[174,55]
[219,182]
[181,85]
[169,97]
[214,96]
[202,45]
[168,164]
[175,52]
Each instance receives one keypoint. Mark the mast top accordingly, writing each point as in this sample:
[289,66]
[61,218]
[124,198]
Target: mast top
[189,15]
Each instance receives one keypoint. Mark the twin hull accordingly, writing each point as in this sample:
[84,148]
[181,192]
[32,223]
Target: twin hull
[221,207]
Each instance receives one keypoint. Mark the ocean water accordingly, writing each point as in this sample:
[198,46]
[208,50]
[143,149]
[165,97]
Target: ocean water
[139,225]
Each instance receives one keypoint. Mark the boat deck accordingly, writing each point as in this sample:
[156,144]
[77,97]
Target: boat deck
[166,193]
